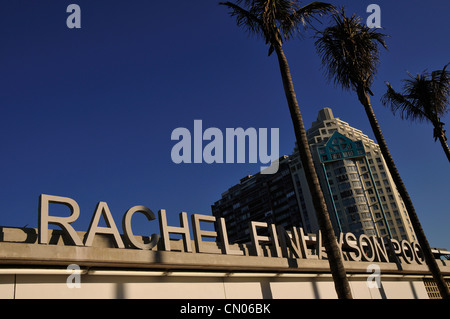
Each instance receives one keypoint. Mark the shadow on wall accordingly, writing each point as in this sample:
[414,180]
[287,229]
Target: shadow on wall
[120,291]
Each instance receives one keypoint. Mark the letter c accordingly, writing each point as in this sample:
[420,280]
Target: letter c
[126,225]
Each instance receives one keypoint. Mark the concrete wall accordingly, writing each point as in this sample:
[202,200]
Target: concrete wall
[31,270]
[201,286]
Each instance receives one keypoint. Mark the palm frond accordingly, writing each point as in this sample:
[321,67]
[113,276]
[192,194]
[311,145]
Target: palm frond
[245,18]
[276,20]
[441,90]
[400,103]
[304,16]
[424,97]
[349,51]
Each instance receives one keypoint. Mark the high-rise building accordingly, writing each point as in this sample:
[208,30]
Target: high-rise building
[358,188]
[359,191]
[267,198]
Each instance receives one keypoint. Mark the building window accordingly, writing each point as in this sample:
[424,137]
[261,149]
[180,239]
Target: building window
[363,207]
[360,199]
[356,184]
[349,153]
[368,224]
[351,169]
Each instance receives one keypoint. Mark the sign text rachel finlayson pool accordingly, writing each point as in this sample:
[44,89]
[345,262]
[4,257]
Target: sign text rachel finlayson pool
[284,243]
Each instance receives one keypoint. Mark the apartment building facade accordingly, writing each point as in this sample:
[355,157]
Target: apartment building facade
[359,191]
[267,198]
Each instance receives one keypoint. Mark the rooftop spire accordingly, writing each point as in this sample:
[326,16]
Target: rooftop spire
[325,114]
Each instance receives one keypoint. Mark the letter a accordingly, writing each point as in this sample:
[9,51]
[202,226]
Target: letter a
[74,20]
[374,20]
[184,145]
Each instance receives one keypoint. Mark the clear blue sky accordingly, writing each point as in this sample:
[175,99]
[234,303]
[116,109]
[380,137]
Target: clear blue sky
[88,113]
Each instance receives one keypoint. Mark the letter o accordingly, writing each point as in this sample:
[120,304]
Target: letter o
[418,253]
[126,225]
[365,257]
[407,246]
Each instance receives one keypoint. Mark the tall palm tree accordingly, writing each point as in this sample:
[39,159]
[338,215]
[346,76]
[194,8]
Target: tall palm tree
[277,21]
[425,97]
[350,55]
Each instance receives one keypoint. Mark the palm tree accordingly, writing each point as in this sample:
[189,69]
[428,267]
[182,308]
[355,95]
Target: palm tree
[277,21]
[424,97]
[350,55]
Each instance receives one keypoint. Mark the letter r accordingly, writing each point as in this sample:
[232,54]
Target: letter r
[63,222]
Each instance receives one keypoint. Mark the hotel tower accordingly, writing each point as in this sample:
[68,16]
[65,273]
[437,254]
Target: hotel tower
[359,191]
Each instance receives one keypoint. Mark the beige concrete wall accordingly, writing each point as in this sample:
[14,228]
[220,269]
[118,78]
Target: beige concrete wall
[31,270]
[23,286]
[6,286]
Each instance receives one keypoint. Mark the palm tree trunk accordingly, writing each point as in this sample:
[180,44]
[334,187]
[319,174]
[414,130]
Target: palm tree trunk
[421,238]
[328,236]
[443,140]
